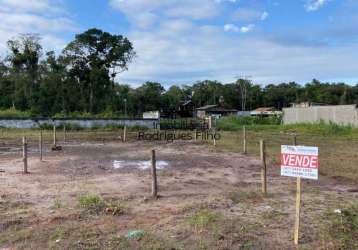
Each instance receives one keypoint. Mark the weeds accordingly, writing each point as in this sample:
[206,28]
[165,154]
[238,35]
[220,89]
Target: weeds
[342,229]
[238,197]
[204,218]
[94,204]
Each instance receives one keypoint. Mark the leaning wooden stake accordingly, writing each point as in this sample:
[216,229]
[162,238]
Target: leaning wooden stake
[263,169]
[298,204]
[40,145]
[244,139]
[154,177]
[125,134]
[24,153]
[54,136]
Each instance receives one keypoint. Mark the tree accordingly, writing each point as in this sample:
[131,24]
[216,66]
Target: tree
[24,58]
[93,58]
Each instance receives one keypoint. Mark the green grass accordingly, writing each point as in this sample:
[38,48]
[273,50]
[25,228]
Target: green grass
[234,123]
[94,204]
[337,146]
[341,231]
[13,113]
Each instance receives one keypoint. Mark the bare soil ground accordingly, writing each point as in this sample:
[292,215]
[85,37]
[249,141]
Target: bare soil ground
[209,199]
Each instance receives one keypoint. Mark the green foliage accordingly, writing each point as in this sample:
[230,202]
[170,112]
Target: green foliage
[12,113]
[234,123]
[342,228]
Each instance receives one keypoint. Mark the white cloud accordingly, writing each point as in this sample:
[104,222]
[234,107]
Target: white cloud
[144,13]
[244,29]
[249,15]
[21,5]
[231,27]
[264,15]
[313,5]
[180,50]
[248,28]
[44,17]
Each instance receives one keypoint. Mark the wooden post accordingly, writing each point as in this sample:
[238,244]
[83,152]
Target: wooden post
[298,203]
[244,139]
[64,133]
[214,137]
[263,169]
[54,136]
[196,134]
[125,134]
[40,145]
[24,153]
[154,177]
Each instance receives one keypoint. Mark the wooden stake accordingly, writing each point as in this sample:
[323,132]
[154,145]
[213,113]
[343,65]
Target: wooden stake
[214,137]
[40,145]
[244,139]
[298,208]
[154,177]
[298,203]
[64,133]
[54,136]
[263,169]
[24,153]
[125,134]
[196,134]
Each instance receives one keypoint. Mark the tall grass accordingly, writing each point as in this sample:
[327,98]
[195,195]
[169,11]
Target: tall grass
[274,125]
[13,113]
[234,123]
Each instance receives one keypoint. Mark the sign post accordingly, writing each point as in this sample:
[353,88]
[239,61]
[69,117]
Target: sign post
[300,162]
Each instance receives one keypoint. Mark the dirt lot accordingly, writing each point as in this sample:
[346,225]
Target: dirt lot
[209,199]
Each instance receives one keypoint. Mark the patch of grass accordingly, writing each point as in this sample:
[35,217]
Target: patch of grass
[341,232]
[114,207]
[94,204]
[13,113]
[234,123]
[238,197]
[204,219]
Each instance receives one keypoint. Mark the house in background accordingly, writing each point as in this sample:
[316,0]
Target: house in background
[214,110]
[265,112]
[185,109]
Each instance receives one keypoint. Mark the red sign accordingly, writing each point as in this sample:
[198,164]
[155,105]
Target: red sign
[299,161]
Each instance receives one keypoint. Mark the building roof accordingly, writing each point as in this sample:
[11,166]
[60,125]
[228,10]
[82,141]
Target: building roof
[206,107]
[264,109]
[216,108]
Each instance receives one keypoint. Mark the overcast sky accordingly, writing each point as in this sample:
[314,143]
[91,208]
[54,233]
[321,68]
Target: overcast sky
[182,41]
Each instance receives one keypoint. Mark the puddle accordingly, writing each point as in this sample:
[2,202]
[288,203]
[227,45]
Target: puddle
[142,165]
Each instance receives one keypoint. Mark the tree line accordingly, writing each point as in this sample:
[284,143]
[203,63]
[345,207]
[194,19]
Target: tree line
[82,79]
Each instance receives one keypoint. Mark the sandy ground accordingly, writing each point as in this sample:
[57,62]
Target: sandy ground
[197,177]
